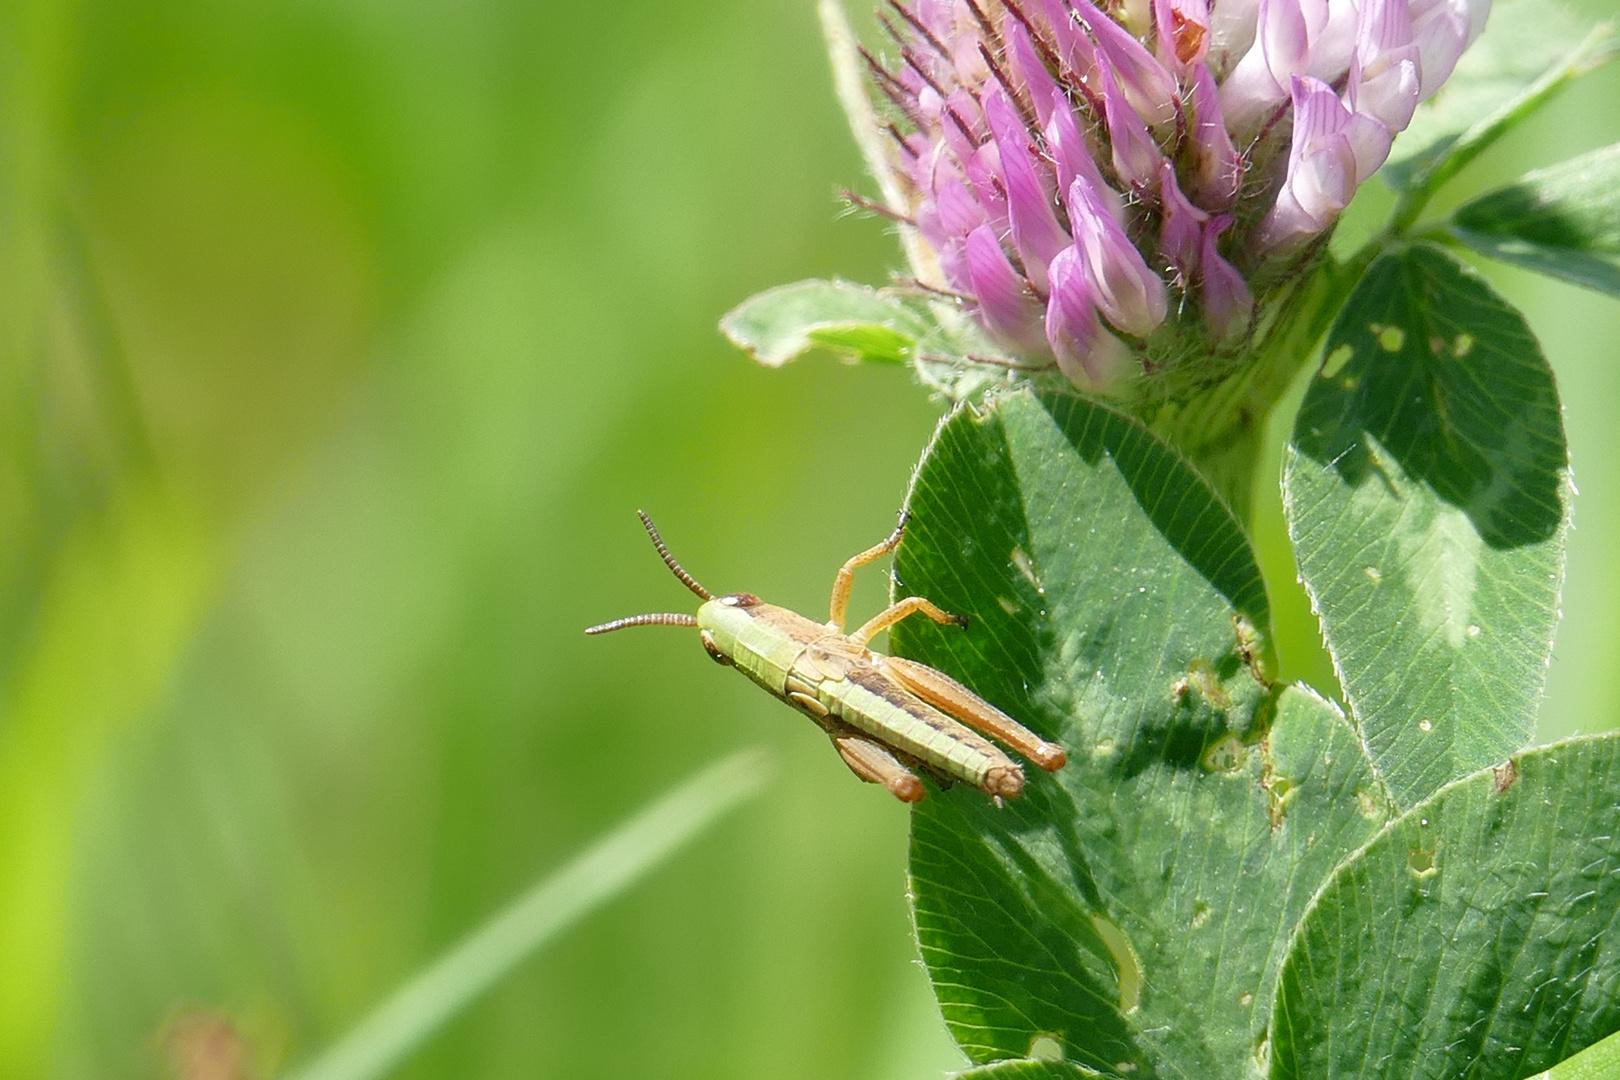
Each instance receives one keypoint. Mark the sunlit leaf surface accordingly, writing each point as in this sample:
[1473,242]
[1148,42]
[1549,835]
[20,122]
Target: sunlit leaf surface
[1427,490]
[1130,910]
[1476,937]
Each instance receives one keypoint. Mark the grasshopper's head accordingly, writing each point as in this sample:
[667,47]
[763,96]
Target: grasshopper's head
[668,618]
[724,621]
[739,627]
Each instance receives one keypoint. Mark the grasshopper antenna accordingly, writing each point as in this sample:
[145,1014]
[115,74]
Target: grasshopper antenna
[674,619]
[669,560]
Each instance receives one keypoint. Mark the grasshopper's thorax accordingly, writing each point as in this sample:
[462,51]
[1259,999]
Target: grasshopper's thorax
[762,640]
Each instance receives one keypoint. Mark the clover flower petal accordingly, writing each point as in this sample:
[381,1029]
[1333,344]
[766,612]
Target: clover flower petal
[1076,168]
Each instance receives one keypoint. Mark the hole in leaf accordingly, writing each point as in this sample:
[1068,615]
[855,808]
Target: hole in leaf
[1045,1048]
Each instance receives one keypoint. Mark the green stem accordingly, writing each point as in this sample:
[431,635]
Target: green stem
[1596,49]
[1437,233]
[416,1010]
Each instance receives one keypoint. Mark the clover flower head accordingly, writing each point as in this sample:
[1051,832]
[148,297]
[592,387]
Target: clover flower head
[1112,186]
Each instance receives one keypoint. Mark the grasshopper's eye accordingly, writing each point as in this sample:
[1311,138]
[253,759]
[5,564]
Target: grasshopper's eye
[713,649]
[742,599]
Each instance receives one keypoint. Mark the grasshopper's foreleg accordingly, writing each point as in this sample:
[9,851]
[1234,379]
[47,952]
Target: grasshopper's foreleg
[952,698]
[892,614]
[846,575]
[872,763]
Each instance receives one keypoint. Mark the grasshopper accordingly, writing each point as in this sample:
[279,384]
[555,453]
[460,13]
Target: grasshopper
[886,715]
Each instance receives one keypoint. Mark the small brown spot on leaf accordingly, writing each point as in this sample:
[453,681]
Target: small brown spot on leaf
[1279,789]
[1507,774]
[1281,792]
[1201,676]
[1251,648]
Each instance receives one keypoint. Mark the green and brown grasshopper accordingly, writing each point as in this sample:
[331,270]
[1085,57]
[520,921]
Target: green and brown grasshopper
[886,715]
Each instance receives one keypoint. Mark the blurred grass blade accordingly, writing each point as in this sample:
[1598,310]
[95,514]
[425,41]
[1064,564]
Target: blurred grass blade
[403,1022]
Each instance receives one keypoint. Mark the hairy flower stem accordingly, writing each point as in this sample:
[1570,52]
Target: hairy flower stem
[1223,430]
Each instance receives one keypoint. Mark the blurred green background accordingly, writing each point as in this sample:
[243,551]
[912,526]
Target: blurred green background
[339,341]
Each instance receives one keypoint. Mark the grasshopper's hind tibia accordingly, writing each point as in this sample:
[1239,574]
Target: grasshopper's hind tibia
[952,698]
[846,574]
[872,763]
[892,614]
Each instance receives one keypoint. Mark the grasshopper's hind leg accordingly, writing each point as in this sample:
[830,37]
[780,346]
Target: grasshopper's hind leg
[955,700]
[839,609]
[892,614]
[872,763]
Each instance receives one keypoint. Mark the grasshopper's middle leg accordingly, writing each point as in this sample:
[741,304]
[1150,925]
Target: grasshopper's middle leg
[892,614]
[846,575]
[872,763]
